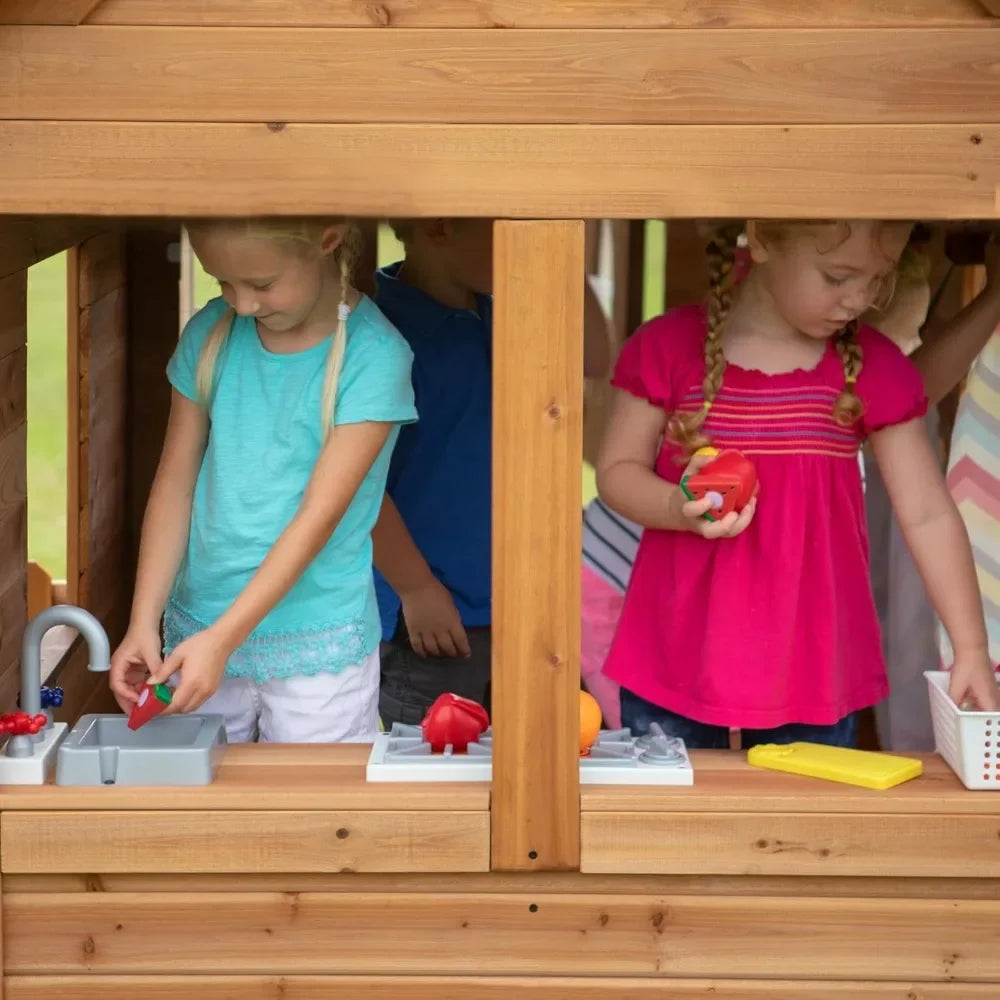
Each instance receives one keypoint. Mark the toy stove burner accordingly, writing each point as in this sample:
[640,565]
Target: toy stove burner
[408,741]
[616,758]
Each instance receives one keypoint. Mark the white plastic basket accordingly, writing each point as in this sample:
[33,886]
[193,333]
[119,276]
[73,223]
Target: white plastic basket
[968,741]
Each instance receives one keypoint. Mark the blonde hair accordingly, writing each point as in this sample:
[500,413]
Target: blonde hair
[686,428]
[301,234]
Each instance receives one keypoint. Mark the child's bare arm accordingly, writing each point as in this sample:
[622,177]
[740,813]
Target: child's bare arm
[627,481]
[395,553]
[167,520]
[949,350]
[936,536]
[432,620]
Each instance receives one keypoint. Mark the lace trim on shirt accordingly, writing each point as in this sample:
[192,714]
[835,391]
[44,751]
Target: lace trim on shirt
[330,648]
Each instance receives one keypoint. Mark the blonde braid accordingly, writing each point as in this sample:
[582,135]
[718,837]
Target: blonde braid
[204,375]
[686,428]
[347,253]
[848,408]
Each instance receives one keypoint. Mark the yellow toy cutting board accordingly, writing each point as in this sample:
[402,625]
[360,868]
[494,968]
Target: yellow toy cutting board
[852,767]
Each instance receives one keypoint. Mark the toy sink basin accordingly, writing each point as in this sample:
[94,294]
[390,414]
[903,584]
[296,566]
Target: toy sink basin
[168,750]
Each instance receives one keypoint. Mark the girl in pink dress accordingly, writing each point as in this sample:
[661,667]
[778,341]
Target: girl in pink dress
[764,621]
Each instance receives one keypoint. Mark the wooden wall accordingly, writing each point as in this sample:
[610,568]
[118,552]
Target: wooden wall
[96,451]
[13,476]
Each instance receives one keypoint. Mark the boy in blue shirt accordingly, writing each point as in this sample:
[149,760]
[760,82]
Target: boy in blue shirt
[432,538]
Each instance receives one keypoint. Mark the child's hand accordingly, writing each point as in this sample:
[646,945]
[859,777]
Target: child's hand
[973,683]
[202,662]
[688,513]
[433,622]
[138,652]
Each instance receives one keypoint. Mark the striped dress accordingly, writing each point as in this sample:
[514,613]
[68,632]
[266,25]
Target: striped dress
[777,625]
[974,481]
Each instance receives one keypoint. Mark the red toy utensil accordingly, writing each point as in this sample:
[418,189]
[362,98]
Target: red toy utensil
[730,480]
[153,699]
[454,720]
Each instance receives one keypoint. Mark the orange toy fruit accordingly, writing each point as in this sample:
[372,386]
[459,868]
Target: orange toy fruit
[590,721]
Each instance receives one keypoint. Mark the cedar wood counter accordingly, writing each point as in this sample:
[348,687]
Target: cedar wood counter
[291,877]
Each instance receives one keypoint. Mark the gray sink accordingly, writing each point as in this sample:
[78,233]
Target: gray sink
[167,750]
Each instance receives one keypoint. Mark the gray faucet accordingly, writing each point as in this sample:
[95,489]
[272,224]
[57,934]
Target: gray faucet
[31,660]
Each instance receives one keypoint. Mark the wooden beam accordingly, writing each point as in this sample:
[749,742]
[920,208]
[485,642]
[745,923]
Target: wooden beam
[901,171]
[551,14]
[26,240]
[46,11]
[656,77]
[99,986]
[537,469]
[991,6]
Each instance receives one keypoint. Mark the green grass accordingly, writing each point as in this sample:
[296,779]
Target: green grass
[47,415]
[47,386]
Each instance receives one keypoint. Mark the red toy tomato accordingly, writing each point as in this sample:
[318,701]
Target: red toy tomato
[455,720]
[730,479]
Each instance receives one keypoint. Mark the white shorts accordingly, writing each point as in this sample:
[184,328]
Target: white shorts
[322,708]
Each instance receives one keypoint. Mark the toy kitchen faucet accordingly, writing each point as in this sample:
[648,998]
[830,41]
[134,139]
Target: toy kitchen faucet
[31,748]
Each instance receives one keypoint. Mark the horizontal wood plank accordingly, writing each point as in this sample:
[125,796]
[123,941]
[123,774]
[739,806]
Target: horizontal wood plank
[552,13]
[525,883]
[559,171]
[90,987]
[246,841]
[492,933]
[791,844]
[45,11]
[842,76]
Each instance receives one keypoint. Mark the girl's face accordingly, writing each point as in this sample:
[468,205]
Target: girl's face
[822,277]
[278,282]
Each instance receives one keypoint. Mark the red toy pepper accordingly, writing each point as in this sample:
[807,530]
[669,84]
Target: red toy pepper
[454,720]
[22,724]
[153,699]
[730,479]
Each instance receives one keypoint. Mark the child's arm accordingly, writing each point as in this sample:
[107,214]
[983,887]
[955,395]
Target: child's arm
[627,481]
[165,528]
[948,352]
[936,537]
[432,620]
[596,335]
[342,465]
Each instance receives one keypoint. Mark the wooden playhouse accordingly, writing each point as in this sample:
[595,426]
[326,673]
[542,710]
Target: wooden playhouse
[290,877]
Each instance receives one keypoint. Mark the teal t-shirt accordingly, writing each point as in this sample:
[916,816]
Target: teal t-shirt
[264,440]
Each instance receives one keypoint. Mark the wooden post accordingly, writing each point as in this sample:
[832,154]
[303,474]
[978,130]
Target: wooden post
[537,469]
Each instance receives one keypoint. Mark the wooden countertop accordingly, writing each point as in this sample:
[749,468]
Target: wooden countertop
[724,782]
[270,777]
[324,777]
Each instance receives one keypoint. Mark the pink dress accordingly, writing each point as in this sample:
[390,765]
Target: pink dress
[777,625]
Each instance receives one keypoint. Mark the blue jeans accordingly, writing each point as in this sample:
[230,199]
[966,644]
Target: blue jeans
[638,714]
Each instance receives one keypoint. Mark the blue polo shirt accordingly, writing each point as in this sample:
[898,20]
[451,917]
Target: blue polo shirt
[439,474]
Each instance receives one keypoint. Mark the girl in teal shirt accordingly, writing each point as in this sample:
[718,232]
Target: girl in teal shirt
[288,392]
